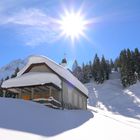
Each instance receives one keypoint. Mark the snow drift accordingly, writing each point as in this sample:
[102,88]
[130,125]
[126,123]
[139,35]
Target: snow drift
[31,117]
[20,120]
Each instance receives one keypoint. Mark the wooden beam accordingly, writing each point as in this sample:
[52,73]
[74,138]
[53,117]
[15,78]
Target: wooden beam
[43,87]
[62,98]
[27,90]
[20,93]
[50,91]
[4,93]
[38,89]
[32,93]
[15,90]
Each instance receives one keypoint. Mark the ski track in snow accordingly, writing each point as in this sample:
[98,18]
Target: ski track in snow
[26,120]
[113,97]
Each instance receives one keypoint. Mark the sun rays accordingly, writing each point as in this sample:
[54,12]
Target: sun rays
[73,25]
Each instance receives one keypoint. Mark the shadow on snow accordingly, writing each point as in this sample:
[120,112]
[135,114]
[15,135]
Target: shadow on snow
[34,118]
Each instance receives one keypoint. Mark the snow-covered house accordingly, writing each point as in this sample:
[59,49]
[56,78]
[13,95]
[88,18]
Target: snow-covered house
[44,79]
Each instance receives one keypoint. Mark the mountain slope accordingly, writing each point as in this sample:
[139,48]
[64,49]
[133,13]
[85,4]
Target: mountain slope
[22,120]
[10,68]
[112,97]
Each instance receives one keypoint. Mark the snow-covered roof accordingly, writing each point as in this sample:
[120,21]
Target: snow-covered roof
[32,78]
[60,70]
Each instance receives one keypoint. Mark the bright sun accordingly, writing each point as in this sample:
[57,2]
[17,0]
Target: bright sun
[73,25]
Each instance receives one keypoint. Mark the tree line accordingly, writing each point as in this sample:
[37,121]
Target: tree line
[127,63]
[98,69]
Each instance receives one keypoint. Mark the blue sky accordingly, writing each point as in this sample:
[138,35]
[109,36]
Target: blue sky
[26,28]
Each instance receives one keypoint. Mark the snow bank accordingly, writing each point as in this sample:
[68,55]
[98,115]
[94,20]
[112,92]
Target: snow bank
[26,120]
[34,118]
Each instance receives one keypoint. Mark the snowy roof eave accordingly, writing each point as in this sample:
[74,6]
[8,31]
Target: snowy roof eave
[60,70]
[31,79]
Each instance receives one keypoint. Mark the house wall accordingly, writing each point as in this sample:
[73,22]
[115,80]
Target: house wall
[40,68]
[73,98]
[45,68]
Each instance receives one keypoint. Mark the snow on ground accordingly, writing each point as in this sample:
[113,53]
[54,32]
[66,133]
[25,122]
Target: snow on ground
[26,120]
[113,97]
[115,116]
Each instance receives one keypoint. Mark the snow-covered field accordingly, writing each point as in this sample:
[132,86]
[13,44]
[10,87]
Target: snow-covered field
[26,120]
[113,97]
[113,114]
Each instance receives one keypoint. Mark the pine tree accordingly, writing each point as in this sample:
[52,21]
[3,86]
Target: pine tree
[137,63]
[105,69]
[97,69]
[75,65]
[117,64]
[108,69]
[1,81]
[128,67]
[124,77]
[90,69]
[86,72]
[123,68]
[77,71]
[7,78]
[15,73]
[111,64]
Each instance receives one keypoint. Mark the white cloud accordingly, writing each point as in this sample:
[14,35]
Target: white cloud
[34,26]
[34,36]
